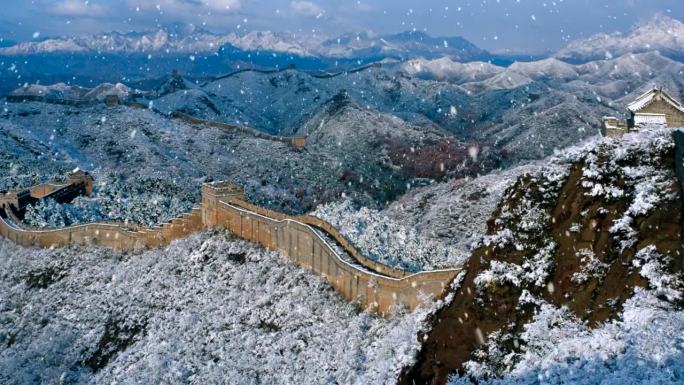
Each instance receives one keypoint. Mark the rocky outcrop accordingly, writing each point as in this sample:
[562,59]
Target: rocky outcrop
[583,234]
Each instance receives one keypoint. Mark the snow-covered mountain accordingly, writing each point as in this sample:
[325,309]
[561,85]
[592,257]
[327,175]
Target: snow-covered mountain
[170,40]
[188,40]
[661,33]
[62,91]
[571,277]
[274,42]
[113,57]
[404,45]
[352,151]
[445,69]
[158,42]
[528,108]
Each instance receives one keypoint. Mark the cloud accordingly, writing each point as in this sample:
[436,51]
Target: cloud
[78,8]
[222,5]
[307,8]
[187,7]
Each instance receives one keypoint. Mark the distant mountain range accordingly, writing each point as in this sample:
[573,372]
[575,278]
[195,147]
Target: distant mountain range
[183,40]
[661,33]
[116,57]
[423,114]
[200,55]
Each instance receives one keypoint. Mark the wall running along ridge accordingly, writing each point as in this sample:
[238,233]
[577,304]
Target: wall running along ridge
[295,141]
[298,142]
[309,242]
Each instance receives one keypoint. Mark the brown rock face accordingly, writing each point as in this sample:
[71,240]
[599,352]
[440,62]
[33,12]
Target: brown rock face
[563,251]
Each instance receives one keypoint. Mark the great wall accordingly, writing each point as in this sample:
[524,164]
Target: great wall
[295,141]
[298,142]
[309,242]
[313,74]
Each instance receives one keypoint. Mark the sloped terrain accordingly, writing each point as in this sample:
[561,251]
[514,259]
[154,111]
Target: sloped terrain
[428,228]
[527,110]
[582,236]
[208,309]
[141,159]
[62,92]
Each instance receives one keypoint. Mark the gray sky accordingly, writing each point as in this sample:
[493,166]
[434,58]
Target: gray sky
[497,25]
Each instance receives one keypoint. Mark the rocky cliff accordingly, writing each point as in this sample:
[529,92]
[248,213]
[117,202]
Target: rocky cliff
[584,234]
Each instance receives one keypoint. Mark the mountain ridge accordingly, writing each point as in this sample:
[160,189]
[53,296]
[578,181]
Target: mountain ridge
[180,40]
[660,33]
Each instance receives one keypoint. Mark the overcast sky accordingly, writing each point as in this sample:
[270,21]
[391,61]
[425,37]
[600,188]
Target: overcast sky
[516,25]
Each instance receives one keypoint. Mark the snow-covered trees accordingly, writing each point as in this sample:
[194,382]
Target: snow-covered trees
[644,347]
[388,241]
[205,310]
[145,201]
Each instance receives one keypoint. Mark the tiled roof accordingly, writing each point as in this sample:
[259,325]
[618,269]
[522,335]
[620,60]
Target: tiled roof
[646,99]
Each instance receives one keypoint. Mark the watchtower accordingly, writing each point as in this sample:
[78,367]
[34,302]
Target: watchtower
[214,192]
[80,176]
[652,109]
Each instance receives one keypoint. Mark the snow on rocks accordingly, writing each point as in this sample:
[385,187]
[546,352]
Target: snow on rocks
[521,221]
[631,168]
[640,343]
[500,272]
[592,267]
[652,267]
[645,347]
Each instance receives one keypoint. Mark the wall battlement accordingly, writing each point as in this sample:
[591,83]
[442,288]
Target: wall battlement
[309,242]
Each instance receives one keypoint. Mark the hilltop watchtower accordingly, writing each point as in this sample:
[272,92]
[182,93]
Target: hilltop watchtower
[655,108]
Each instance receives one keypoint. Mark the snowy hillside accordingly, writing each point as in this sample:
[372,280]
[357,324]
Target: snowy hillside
[644,347]
[208,310]
[126,148]
[608,77]
[527,109]
[61,91]
[428,228]
[405,45]
[449,70]
[162,41]
[573,276]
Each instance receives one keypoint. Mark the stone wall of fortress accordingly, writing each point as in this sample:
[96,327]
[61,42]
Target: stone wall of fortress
[309,242]
[675,118]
